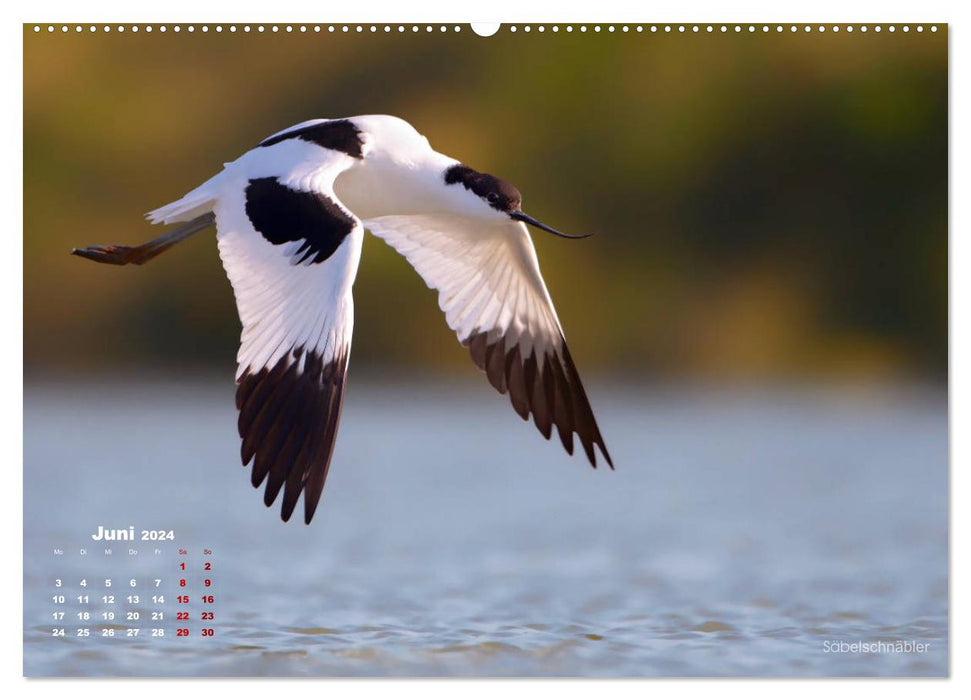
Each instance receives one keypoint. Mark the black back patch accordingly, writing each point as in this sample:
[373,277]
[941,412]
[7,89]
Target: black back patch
[498,193]
[338,134]
[282,215]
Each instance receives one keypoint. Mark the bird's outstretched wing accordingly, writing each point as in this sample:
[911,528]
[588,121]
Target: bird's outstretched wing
[291,251]
[494,298]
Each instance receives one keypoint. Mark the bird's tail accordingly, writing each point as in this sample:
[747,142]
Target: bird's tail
[194,211]
[139,255]
[193,205]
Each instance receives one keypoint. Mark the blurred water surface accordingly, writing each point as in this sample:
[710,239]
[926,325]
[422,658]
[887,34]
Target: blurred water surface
[742,530]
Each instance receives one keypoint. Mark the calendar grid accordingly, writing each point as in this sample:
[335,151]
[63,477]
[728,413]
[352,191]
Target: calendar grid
[141,594]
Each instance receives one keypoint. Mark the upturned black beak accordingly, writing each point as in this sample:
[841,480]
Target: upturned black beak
[527,219]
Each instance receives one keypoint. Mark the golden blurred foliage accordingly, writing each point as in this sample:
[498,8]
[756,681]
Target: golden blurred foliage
[766,205]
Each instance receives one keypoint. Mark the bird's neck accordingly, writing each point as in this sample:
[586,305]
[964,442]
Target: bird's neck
[385,186]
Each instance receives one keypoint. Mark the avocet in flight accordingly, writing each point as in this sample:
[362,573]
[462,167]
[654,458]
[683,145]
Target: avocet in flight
[290,217]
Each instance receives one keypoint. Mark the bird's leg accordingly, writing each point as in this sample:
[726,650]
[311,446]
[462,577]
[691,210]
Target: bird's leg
[139,255]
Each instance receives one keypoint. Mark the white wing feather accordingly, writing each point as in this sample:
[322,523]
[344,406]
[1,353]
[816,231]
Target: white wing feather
[494,298]
[486,274]
[296,314]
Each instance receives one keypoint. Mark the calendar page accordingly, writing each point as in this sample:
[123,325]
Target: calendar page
[450,350]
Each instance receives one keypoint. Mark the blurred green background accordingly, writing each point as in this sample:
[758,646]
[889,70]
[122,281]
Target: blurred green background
[768,205]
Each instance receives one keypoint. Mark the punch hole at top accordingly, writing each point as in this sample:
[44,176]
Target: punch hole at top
[485,28]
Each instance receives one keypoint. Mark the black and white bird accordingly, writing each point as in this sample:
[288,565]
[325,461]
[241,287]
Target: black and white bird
[290,217]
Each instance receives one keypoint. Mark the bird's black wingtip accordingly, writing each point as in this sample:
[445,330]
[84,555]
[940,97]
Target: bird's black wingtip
[287,511]
[606,455]
[592,456]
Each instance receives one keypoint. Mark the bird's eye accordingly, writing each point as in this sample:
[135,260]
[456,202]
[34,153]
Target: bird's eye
[493,197]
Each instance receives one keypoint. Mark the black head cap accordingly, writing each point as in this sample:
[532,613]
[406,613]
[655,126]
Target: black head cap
[500,195]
